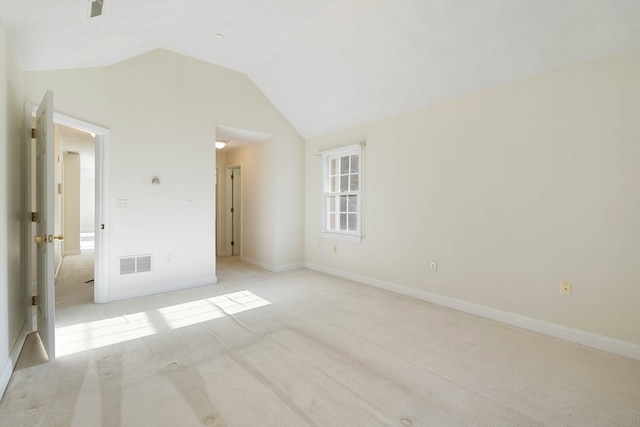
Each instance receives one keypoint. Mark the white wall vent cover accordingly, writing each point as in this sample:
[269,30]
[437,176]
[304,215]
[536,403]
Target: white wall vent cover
[135,264]
[143,263]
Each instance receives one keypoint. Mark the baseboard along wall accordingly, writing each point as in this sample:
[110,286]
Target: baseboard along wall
[588,339]
[272,267]
[8,368]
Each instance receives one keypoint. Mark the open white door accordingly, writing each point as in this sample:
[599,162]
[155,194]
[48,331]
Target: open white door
[44,224]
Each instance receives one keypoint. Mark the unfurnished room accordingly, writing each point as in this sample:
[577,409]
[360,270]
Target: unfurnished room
[320,213]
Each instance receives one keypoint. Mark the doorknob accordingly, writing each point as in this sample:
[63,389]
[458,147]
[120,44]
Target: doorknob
[48,238]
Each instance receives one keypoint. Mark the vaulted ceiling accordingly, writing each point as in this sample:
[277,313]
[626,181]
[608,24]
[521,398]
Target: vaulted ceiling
[330,65]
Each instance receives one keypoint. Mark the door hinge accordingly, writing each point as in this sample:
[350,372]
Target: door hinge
[233,243]
[232,210]
[33,133]
[34,216]
[34,300]
[231,174]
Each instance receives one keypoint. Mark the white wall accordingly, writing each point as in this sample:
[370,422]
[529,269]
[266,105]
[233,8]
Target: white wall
[87,194]
[162,109]
[221,235]
[259,209]
[272,192]
[12,295]
[512,191]
[71,202]
[290,218]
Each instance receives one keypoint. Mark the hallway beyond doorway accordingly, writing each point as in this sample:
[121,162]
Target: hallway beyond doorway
[74,285]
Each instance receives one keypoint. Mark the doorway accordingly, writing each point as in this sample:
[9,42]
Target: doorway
[101,213]
[75,215]
[234,210]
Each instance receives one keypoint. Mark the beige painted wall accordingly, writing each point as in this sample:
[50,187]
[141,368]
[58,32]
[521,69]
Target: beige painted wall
[272,192]
[259,209]
[71,203]
[512,191]
[12,296]
[221,235]
[162,109]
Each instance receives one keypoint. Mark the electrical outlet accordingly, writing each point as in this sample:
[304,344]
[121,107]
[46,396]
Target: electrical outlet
[565,288]
[169,259]
[335,248]
[433,266]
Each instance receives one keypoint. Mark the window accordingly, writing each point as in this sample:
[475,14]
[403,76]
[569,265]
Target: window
[343,190]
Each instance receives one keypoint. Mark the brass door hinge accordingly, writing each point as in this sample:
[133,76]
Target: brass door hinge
[34,216]
[232,210]
[34,300]
[33,133]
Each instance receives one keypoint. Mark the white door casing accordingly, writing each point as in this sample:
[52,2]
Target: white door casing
[237,211]
[234,202]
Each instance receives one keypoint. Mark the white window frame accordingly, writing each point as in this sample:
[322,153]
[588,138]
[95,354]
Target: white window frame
[327,156]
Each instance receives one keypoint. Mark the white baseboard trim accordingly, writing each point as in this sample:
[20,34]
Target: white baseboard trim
[287,267]
[7,371]
[271,267]
[578,336]
[169,287]
[261,264]
[58,267]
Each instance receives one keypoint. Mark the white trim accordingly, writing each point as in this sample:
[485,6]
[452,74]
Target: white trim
[337,236]
[166,288]
[101,237]
[257,263]
[338,152]
[272,267]
[101,249]
[228,217]
[220,247]
[342,149]
[286,267]
[28,207]
[578,336]
[9,367]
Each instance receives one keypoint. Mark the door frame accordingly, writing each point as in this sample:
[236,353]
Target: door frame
[228,216]
[101,254]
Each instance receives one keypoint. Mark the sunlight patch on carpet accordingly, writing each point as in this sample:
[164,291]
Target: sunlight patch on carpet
[101,333]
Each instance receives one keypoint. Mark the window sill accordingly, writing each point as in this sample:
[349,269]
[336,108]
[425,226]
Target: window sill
[340,236]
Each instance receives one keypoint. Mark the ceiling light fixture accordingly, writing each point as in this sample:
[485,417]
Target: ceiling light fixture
[220,144]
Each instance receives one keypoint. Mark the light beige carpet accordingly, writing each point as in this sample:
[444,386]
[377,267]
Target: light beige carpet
[302,348]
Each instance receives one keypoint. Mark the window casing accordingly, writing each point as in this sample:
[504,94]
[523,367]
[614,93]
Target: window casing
[343,191]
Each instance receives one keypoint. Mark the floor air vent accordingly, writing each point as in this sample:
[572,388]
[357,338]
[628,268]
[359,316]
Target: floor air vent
[135,264]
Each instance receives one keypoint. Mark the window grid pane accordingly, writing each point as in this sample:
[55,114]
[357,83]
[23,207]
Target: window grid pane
[342,192]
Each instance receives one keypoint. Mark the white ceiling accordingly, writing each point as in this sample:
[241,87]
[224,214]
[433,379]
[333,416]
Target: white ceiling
[330,65]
